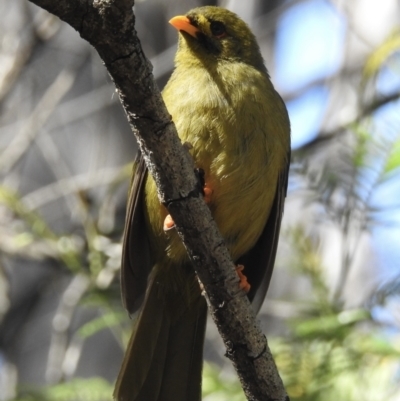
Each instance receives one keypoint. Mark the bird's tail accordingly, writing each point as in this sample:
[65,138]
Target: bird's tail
[164,358]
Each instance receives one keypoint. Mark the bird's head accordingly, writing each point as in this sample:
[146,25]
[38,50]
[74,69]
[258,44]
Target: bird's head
[213,34]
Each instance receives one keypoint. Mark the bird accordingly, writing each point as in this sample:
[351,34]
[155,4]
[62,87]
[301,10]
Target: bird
[223,103]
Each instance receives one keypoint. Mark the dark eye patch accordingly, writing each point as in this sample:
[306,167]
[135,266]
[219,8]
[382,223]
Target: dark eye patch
[207,43]
[217,29]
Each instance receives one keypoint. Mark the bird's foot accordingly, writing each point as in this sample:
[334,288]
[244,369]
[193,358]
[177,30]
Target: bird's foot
[207,193]
[169,223]
[243,283]
[203,186]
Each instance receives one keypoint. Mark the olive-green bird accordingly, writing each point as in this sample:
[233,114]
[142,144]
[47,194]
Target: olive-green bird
[223,103]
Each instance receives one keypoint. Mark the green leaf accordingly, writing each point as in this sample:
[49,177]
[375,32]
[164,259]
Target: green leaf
[331,326]
[92,389]
[393,161]
[381,54]
[102,322]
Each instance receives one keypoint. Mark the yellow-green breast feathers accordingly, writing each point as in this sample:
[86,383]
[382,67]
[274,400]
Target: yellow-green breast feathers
[223,103]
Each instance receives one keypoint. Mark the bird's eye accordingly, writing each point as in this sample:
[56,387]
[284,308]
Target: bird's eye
[218,29]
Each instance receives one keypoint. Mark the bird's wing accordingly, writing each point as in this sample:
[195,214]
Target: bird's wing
[137,263]
[259,261]
[136,260]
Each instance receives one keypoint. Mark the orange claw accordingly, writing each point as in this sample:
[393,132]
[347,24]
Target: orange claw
[169,223]
[243,284]
[207,193]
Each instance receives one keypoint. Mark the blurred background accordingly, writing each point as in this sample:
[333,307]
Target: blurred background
[332,315]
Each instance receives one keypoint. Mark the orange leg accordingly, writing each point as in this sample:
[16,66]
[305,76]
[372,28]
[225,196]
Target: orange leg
[243,283]
[207,193]
[169,222]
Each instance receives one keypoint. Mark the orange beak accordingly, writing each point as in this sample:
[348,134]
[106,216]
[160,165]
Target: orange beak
[182,23]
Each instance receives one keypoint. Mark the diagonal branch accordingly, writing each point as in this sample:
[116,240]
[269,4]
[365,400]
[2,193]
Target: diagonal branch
[109,26]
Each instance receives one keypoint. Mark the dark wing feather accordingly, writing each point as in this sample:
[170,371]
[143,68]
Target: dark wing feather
[259,261]
[136,260]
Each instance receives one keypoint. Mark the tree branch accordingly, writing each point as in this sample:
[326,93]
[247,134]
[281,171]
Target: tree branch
[367,109]
[109,26]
